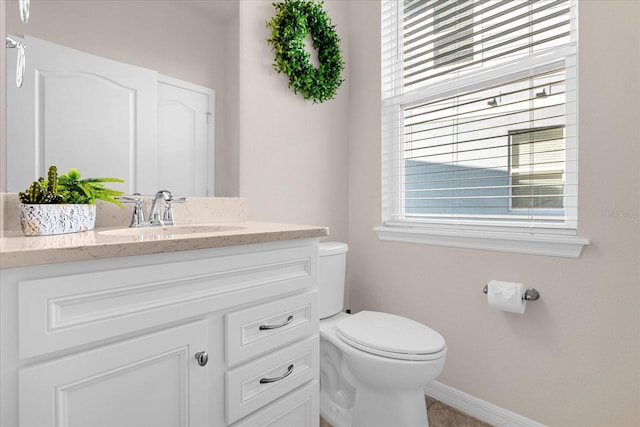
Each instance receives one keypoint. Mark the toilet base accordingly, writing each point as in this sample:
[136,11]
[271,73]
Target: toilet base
[406,408]
[405,414]
[334,414]
[346,402]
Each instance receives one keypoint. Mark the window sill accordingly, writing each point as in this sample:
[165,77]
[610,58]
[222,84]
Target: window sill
[533,244]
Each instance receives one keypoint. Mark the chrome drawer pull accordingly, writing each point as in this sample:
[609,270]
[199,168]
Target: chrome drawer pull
[265,327]
[273,380]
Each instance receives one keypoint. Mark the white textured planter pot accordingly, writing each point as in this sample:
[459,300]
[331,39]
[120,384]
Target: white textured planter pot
[44,220]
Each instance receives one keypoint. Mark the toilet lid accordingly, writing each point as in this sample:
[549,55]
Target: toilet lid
[390,336]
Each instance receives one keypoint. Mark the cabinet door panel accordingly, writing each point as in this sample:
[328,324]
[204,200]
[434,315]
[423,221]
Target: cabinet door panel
[153,380]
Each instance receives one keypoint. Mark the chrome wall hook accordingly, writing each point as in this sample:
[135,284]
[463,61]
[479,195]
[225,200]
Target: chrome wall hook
[11,43]
[530,294]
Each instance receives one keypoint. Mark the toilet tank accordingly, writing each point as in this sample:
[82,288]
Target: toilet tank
[333,260]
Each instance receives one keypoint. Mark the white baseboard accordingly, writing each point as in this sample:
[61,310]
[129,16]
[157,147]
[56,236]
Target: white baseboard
[477,408]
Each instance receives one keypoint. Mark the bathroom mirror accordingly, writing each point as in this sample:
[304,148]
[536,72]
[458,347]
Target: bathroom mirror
[193,41]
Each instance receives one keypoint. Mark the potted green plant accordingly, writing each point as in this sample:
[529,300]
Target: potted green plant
[63,204]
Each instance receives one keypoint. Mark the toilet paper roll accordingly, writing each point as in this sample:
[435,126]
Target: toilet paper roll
[506,296]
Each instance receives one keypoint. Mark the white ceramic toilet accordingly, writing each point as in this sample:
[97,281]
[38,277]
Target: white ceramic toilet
[373,366]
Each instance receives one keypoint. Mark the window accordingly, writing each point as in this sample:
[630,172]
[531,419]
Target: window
[479,125]
[537,169]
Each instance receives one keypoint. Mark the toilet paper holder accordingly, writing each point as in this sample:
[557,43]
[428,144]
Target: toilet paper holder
[530,294]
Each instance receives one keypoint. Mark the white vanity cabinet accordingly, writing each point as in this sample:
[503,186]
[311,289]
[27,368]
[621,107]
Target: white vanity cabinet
[113,342]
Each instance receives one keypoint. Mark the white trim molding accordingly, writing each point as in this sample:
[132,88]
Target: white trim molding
[533,244]
[477,408]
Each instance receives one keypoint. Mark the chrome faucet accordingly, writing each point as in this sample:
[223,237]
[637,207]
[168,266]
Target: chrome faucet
[154,213]
[137,219]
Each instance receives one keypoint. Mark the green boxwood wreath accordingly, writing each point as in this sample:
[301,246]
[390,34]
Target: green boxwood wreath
[293,22]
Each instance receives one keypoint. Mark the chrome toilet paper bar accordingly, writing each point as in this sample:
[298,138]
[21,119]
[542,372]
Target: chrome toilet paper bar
[530,294]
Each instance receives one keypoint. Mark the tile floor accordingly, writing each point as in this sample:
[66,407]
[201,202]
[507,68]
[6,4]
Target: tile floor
[441,415]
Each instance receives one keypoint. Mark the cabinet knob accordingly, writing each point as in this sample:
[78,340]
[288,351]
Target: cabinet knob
[202,357]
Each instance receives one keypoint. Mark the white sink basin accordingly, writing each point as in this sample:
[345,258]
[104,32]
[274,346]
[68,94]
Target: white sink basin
[170,230]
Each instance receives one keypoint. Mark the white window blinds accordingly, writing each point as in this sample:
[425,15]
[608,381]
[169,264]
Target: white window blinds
[479,113]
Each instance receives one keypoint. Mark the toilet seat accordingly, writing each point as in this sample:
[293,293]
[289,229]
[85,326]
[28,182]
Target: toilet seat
[391,336]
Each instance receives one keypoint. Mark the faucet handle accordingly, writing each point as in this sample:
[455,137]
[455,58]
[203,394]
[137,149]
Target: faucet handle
[167,217]
[178,200]
[127,199]
[137,219]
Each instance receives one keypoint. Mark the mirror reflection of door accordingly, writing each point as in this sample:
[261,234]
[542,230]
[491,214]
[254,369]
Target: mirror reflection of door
[104,118]
[185,138]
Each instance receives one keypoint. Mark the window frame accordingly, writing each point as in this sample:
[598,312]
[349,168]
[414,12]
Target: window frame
[551,240]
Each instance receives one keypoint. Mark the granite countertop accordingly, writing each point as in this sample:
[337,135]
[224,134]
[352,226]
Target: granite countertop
[18,250]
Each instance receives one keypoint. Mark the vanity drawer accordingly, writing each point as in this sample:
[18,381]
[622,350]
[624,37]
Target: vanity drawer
[255,384]
[300,408]
[258,329]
